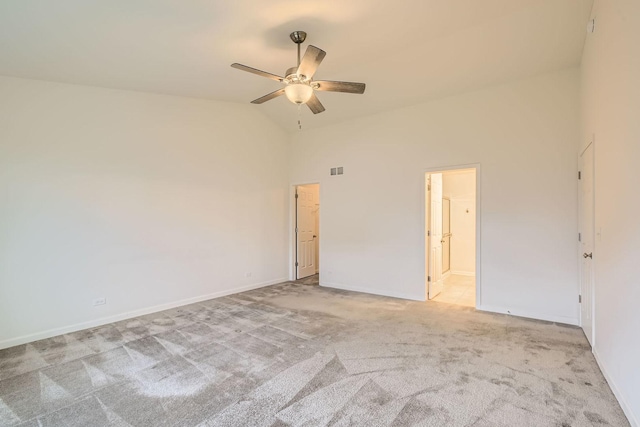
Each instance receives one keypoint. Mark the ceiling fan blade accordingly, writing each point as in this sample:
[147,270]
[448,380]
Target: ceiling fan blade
[268,96]
[347,87]
[256,71]
[312,58]
[315,105]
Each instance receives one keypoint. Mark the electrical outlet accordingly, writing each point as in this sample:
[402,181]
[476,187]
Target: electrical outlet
[247,274]
[99,301]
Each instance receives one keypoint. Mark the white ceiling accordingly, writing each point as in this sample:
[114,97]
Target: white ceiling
[406,51]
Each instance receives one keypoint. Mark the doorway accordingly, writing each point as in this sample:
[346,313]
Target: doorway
[451,219]
[307,232]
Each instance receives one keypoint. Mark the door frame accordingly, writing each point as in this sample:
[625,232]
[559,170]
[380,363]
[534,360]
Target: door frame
[478,277]
[590,143]
[293,217]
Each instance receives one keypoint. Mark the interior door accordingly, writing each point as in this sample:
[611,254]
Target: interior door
[305,236]
[435,236]
[446,235]
[316,230]
[587,227]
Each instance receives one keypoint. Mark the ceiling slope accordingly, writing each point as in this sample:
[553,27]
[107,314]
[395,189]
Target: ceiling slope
[406,51]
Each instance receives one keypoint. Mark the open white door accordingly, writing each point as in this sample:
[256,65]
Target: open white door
[305,228]
[587,227]
[435,281]
[446,235]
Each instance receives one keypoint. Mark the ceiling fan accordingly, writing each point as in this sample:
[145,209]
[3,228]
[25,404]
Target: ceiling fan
[299,84]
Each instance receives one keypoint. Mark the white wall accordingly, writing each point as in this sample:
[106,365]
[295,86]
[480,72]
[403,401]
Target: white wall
[611,112]
[147,200]
[525,137]
[460,189]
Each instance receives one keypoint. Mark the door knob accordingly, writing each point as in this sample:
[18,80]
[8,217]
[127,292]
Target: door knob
[314,236]
[588,255]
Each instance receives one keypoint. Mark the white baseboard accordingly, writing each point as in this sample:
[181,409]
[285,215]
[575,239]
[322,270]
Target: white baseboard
[463,273]
[127,315]
[372,291]
[633,420]
[523,313]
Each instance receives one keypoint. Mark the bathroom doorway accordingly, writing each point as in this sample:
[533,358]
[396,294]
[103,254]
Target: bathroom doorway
[451,219]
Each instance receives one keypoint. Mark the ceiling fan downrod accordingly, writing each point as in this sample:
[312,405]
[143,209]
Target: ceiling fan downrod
[298,37]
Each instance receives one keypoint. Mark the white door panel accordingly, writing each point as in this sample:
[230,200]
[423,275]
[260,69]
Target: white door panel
[446,236]
[587,228]
[435,238]
[305,236]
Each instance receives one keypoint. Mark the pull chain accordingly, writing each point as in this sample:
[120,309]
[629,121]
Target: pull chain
[299,115]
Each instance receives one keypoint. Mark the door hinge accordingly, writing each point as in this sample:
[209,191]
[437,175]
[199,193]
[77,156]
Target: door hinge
[579,237]
[580,299]
[428,278]
[428,233]
[296,229]
[579,175]
[296,264]
[296,195]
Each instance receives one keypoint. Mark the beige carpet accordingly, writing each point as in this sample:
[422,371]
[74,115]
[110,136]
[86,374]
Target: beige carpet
[296,354]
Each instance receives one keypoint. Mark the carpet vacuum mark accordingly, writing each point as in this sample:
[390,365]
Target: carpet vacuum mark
[296,354]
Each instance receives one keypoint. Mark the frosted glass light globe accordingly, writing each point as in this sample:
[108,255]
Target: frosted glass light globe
[298,93]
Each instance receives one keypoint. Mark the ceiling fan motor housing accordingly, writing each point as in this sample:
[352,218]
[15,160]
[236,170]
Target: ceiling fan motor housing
[292,76]
[291,72]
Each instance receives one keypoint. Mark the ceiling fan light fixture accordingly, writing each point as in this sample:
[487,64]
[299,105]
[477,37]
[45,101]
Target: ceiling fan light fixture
[298,93]
[299,86]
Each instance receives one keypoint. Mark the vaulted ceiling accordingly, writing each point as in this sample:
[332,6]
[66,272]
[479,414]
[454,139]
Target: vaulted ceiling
[406,51]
